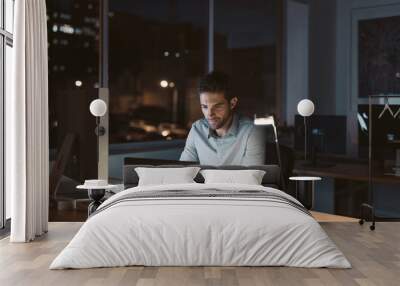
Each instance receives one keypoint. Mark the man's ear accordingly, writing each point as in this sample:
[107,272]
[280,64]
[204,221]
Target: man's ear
[233,102]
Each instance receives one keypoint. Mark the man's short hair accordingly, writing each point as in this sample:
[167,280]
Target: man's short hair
[215,81]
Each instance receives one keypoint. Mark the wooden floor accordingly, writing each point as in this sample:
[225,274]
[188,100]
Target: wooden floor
[325,217]
[375,257]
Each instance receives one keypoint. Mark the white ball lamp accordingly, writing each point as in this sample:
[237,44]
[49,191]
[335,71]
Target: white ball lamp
[305,108]
[98,108]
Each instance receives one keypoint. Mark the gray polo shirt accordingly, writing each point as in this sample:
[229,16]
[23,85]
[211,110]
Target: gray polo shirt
[244,144]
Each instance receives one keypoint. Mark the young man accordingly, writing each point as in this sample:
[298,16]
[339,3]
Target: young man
[222,137]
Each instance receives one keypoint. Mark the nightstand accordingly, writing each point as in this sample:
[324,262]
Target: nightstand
[305,190]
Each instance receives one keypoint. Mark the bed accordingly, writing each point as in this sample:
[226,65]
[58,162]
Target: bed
[198,224]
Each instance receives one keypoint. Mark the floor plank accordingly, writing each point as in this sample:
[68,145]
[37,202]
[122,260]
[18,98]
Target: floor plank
[375,257]
[325,217]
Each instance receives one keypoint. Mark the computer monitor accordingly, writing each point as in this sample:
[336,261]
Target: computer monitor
[326,134]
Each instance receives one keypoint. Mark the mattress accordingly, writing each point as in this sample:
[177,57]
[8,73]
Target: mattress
[201,225]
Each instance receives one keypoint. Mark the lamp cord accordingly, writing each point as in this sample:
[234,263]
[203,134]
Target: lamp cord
[305,139]
[98,140]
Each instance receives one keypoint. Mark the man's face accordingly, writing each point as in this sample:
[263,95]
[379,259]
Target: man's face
[216,108]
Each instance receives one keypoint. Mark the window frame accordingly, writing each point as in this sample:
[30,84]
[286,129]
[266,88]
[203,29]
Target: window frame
[6,39]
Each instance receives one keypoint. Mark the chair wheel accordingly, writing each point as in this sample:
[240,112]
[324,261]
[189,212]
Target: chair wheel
[372,227]
[361,221]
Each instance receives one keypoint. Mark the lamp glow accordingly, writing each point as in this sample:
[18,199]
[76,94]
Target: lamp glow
[305,107]
[264,120]
[98,107]
[164,83]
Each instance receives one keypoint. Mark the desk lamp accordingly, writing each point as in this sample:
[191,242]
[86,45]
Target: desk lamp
[270,121]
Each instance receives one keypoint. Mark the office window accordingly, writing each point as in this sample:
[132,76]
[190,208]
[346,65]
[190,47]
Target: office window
[9,13]
[245,44]
[6,62]
[73,43]
[158,52]
[8,69]
[2,126]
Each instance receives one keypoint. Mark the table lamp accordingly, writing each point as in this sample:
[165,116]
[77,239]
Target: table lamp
[305,108]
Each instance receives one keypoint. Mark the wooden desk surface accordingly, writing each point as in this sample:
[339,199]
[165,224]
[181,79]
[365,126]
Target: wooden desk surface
[346,171]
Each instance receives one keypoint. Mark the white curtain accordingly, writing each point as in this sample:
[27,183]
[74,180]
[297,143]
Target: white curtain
[27,147]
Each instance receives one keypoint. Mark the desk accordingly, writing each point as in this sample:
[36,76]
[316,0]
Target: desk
[345,171]
[348,184]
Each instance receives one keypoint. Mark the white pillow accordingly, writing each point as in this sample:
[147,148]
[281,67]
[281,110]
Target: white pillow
[248,177]
[164,176]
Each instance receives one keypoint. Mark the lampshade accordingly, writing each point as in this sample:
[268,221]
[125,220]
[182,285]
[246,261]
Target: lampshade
[269,120]
[98,107]
[305,107]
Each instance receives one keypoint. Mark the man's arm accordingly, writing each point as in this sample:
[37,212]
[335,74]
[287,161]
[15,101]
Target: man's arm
[255,147]
[189,152]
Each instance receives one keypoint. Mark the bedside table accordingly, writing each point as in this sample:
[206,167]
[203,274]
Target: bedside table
[305,190]
[97,195]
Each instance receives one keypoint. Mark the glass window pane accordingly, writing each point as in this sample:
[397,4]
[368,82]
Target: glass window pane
[244,47]
[1,15]
[154,71]
[73,33]
[2,197]
[9,15]
[8,70]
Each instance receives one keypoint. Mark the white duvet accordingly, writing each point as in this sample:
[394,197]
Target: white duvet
[192,231]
